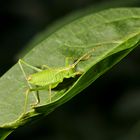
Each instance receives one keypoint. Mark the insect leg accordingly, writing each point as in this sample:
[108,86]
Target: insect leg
[83,57]
[29,85]
[20,61]
[26,99]
[37,97]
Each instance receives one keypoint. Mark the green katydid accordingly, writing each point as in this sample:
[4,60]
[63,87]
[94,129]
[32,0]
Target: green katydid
[49,78]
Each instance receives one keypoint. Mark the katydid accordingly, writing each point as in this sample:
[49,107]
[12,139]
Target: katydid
[49,78]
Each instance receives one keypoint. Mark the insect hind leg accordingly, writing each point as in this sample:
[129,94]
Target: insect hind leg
[29,85]
[20,62]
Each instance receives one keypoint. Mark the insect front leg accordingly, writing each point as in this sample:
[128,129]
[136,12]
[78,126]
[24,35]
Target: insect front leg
[84,57]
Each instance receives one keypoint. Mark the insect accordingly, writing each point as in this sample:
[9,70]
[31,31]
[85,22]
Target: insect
[47,78]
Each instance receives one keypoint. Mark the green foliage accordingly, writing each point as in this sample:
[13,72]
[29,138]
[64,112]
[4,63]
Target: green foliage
[112,33]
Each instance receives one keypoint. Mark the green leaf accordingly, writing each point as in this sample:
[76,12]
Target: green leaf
[112,33]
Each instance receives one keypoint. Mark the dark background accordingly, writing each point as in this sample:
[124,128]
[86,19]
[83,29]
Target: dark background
[109,109]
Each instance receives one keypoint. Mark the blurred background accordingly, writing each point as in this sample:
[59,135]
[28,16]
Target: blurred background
[109,109]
